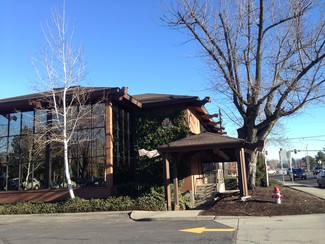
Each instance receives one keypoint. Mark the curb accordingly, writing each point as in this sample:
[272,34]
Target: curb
[168,215]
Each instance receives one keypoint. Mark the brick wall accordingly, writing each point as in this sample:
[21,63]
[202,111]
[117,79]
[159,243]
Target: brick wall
[49,195]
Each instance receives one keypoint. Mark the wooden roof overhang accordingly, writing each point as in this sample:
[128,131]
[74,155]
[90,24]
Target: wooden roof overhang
[32,101]
[209,140]
[226,148]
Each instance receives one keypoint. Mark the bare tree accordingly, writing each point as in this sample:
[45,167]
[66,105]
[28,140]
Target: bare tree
[60,69]
[267,57]
[29,147]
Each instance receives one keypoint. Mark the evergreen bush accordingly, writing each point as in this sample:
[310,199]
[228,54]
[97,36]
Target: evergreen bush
[149,201]
[261,171]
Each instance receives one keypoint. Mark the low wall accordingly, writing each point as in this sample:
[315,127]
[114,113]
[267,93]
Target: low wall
[49,195]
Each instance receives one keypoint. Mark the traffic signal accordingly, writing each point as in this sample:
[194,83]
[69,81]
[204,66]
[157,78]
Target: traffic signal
[295,151]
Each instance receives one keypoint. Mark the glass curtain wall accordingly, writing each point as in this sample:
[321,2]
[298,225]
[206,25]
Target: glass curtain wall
[30,160]
[87,149]
[22,154]
[123,145]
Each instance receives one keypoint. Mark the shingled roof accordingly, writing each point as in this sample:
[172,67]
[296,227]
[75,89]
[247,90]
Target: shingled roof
[208,140]
[204,140]
[153,100]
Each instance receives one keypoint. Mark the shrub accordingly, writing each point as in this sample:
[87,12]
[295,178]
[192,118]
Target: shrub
[273,182]
[260,171]
[46,208]
[231,184]
[152,201]
[29,208]
[122,203]
[133,189]
[76,205]
[97,205]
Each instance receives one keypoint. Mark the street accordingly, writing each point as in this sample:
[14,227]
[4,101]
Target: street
[118,227]
[108,227]
[310,181]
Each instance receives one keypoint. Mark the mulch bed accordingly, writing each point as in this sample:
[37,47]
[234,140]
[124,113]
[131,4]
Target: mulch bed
[261,203]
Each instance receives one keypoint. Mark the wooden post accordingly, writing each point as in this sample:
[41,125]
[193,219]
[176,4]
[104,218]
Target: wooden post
[167,182]
[175,181]
[242,172]
[109,146]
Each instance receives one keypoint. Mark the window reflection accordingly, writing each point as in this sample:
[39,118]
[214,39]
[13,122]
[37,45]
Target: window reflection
[3,125]
[99,115]
[40,120]
[122,145]
[31,163]
[14,124]
[27,121]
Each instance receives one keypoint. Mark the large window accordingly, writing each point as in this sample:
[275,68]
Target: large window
[123,146]
[29,159]
[22,155]
[87,149]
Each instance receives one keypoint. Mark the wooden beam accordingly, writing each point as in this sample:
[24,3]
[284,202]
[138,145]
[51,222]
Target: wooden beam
[175,181]
[221,154]
[167,182]
[240,155]
[243,174]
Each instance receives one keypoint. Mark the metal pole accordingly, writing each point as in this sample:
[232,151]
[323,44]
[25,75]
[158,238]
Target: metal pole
[290,165]
[267,174]
[307,159]
[281,165]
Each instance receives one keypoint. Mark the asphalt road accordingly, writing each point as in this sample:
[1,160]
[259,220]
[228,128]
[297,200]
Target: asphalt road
[107,227]
[311,179]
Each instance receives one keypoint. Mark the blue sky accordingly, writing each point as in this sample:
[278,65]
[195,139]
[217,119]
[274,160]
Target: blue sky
[125,44]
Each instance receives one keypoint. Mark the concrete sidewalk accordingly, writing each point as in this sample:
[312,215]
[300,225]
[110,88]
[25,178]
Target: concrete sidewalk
[277,229]
[313,190]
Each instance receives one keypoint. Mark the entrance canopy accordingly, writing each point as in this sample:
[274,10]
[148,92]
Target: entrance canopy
[221,148]
[208,140]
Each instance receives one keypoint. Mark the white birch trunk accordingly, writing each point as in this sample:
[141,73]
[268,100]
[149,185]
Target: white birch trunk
[65,142]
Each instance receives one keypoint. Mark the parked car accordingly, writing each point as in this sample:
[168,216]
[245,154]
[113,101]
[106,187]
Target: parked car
[271,171]
[62,184]
[321,178]
[298,173]
[13,184]
[316,170]
[31,183]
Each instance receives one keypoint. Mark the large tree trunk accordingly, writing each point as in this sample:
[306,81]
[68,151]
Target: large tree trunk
[251,162]
[248,133]
[253,134]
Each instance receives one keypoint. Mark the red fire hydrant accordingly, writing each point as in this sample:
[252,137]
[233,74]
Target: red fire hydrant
[277,195]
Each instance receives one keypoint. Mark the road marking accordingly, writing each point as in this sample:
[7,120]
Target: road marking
[200,230]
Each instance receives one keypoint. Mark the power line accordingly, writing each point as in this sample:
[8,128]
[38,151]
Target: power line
[306,137]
